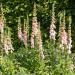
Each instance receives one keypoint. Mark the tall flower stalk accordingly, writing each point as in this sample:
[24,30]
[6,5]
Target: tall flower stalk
[2,22]
[7,41]
[34,27]
[60,24]
[20,34]
[52,26]
[26,31]
[63,33]
[69,35]
[39,42]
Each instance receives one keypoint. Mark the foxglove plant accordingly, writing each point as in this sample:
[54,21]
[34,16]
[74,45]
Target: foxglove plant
[5,46]
[2,22]
[39,42]
[52,26]
[63,33]
[7,42]
[1,25]
[34,27]
[60,25]
[20,34]
[63,37]
[69,35]
[25,33]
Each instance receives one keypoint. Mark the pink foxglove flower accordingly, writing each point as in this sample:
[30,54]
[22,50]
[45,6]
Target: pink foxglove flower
[34,31]
[25,38]
[20,35]
[63,37]
[39,42]
[32,40]
[8,45]
[34,26]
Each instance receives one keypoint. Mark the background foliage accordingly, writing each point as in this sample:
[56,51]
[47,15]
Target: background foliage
[26,61]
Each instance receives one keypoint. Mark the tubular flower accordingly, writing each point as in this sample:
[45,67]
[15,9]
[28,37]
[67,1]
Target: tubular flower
[52,34]
[52,26]
[25,38]
[1,20]
[34,27]
[5,47]
[23,34]
[63,37]
[69,45]
[32,40]
[2,29]
[26,31]
[42,54]
[20,34]
[63,34]
[69,35]
[34,30]
[39,42]
[7,44]
[1,25]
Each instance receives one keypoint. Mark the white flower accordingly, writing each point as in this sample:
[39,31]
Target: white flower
[69,51]
[1,26]
[42,54]
[52,34]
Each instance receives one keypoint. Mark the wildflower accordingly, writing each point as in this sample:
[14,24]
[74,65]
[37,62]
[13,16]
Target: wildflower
[63,37]
[20,35]
[71,67]
[34,27]
[32,40]
[25,38]
[69,36]
[39,42]
[52,26]
[34,31]
[63,34]
[69,51]
[9,43]
[52,34]
[42,54]
[1,25]
[7,46]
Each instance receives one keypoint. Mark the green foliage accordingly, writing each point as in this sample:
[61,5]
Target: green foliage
[27,61]
[11,67]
